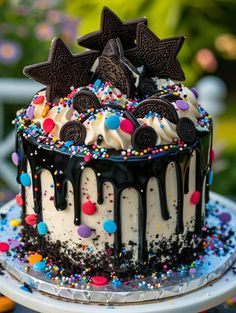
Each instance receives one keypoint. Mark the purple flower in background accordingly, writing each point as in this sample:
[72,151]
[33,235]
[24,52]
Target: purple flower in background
[54,16]
[43,4]
[44,31]
[69,28]
[10,51]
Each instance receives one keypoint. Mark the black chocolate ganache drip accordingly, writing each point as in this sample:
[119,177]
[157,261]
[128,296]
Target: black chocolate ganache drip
[122,174]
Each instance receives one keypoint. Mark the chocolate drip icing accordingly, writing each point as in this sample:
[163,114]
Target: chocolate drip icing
[202,171]
[122,174]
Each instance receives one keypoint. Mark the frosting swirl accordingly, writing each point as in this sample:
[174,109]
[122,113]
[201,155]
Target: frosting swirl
[112,106]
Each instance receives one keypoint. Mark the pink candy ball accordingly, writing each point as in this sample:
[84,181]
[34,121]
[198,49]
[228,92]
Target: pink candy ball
[126,126]
[195,197]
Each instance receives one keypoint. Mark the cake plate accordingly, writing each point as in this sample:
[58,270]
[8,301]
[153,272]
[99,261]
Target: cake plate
[212,294]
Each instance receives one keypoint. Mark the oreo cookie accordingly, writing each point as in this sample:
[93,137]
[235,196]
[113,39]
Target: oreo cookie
[114,67]
[147,86]
[111,70]
[114,106]
[159,106]
[62,70]
[131,118]
[111,27]
[143,137]
[73,131]
[85,100]
[186,130]
[158,56]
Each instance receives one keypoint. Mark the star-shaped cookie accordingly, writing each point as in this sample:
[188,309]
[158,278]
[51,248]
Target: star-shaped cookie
[111,27]
[158,56]
[115,68]
[62,70]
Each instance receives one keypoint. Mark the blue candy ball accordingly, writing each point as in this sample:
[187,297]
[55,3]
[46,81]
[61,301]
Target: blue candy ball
[97,84]
[110,226]
[112,122]
[39,266]
[25,180]
[42,228]
[210,178]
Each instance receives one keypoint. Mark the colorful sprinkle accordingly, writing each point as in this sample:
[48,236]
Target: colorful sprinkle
[45,111]
[99,280]
[182,105]
[15,158]
[48,125]
[25,179]
[110,226]
[26,288]
[42,228]
[126,126]
[31,219]
[34,258]
[84,231]
[210,178]
[39,266]
[195,197]
[4,247]
[89,208]
[112,122]
[225,217]
[19,200]
[212,157]
[15,222]
[30,112]
[195,92]
[38,100]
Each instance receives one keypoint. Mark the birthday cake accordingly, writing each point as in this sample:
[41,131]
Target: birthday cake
[114,155]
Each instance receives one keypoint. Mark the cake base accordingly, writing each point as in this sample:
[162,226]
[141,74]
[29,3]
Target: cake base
[141,289]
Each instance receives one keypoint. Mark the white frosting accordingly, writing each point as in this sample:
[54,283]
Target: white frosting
[165,130]
[59,114]
[112,138]
[118,139]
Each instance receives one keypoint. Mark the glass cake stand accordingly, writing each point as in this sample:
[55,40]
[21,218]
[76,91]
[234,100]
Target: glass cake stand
[201,299]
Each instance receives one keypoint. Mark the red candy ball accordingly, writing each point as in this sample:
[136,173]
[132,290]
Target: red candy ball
[212,155]
[38,100]
[89,208]
[19,200]
[87,158]
[99,280]
[126,126]
[48,125]
[195,197]
[31,219]
[4,247]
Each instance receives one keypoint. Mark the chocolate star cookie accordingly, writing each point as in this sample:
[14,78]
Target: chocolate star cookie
[115,68]
[62,70]
[158,56]
[111,27]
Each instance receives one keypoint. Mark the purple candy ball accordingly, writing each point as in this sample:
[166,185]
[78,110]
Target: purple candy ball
[192,271]
[182,105]
[15,158]
[30,112]
[224,217]
[195,92]
[14,243]
[84,231]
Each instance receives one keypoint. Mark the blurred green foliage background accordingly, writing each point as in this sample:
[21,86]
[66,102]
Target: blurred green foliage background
[27,27]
